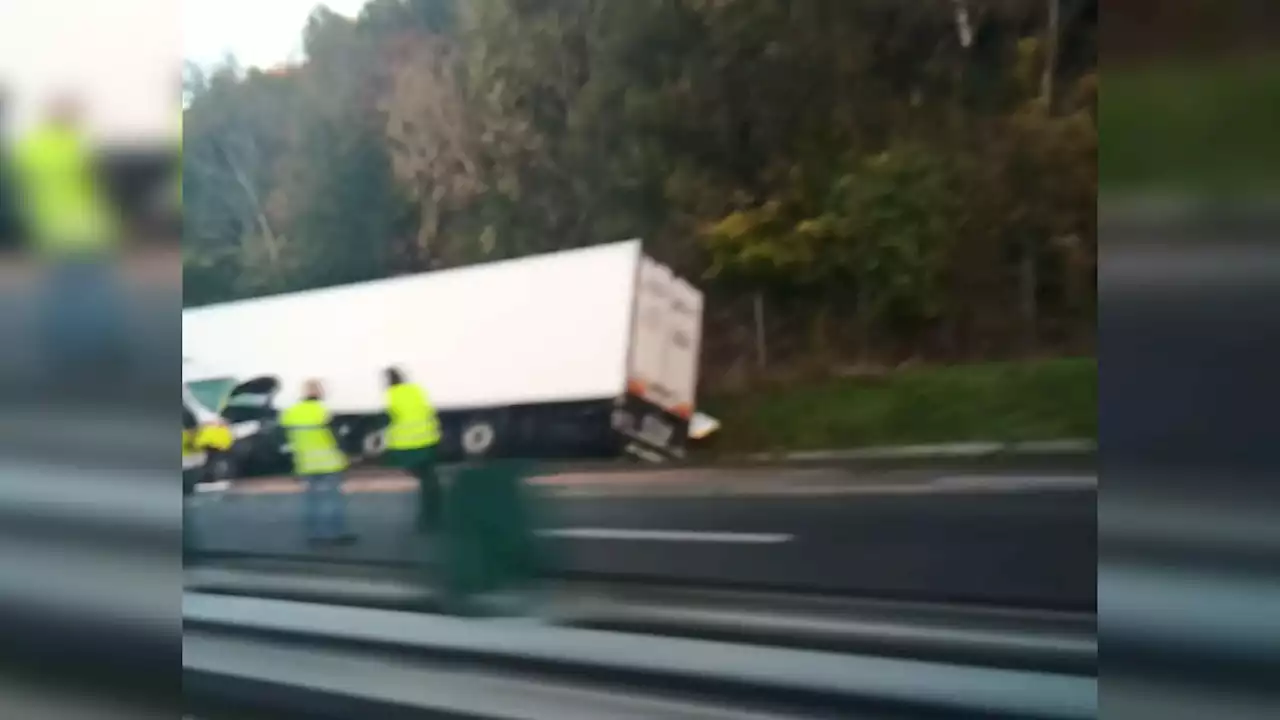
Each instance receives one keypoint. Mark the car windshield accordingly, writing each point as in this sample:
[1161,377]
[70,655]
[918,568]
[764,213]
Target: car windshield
[211,393]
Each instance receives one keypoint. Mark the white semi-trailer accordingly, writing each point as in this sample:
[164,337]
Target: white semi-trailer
[583,353]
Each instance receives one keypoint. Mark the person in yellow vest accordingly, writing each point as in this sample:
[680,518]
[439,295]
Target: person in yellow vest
[71,225]
[320,464]
[413,431]
[68,212]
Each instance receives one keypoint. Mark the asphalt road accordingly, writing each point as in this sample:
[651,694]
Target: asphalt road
[122,419]
[150,295]
[1001,539]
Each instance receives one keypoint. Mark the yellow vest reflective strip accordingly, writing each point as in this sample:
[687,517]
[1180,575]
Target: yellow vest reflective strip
[413,420]
[315,451]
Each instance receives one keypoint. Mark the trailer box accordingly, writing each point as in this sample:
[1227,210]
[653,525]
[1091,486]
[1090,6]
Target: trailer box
[582,353]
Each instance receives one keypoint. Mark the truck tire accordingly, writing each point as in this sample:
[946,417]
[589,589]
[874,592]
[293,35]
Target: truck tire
[374,442]
[220,467]
[479,437]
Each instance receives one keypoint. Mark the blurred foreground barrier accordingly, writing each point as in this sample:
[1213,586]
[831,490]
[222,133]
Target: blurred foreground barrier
[489,540]
[383,662]
[1055,642]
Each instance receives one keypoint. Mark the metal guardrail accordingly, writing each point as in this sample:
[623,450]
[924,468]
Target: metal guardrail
[994,637]
[835,685]
[227,678]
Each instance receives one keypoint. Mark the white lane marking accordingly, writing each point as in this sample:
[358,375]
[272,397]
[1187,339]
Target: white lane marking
[1014,482]
[669,535]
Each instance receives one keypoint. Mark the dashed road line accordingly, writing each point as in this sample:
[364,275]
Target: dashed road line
[692,536]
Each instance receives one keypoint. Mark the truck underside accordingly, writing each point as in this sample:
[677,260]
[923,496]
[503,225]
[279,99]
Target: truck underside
[593,429]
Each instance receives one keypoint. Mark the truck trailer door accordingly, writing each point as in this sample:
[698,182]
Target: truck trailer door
[663,363]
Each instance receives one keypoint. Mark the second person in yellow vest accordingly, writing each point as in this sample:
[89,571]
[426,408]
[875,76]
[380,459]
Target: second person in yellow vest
[412,434]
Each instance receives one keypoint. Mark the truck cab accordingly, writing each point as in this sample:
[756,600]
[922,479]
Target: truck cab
[247,411]
[206,442]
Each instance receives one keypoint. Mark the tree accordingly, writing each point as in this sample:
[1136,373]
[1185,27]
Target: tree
[232,142]
[890,172]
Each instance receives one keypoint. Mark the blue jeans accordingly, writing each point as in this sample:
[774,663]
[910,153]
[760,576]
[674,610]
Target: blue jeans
[83,316]
[325,507]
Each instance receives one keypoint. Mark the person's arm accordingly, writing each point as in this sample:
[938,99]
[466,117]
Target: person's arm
[10,223]
[13,221]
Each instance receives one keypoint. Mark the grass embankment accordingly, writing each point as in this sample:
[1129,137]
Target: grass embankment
[1038,400]
[1199,128]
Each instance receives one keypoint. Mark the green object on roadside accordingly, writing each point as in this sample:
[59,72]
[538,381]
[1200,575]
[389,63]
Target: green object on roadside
[489,542]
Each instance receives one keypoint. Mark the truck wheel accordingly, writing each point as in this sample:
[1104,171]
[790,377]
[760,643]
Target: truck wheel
[374,443]
[220,467]
[478,438]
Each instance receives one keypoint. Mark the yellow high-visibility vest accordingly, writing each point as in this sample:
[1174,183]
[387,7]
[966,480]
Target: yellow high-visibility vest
[413,420]
[205,438]
[214,437]
[60,194]
[315,450]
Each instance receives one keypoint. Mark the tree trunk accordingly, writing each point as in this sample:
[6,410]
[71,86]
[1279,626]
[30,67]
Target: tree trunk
[864,324]
[964,29]
[762,347]
[1050,54]
[1028,284]
[818,327]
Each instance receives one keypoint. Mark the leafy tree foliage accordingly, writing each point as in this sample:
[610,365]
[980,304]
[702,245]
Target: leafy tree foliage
[907,179]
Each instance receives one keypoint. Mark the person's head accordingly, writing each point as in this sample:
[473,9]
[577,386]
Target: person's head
[394,376]
[65,110]
[312,390]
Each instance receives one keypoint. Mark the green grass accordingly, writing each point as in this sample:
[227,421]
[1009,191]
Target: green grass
[1038,400]
[1198,128]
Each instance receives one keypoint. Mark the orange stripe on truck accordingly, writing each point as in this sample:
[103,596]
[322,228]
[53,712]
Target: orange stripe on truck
[684,411]
[636,387]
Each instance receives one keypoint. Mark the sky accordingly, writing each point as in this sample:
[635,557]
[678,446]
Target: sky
[124,57]
[260,33]
[121,57]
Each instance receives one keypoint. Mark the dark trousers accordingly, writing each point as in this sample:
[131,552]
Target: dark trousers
[430,495]
[421,464]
